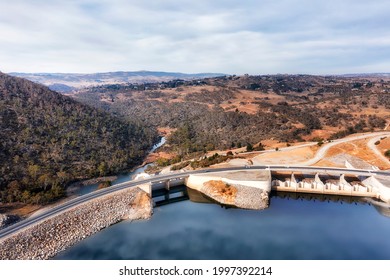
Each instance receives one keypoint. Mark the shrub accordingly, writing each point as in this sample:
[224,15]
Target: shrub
[104,185]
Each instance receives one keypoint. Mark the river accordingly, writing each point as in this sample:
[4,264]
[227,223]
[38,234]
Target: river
[289,229]
[121,178]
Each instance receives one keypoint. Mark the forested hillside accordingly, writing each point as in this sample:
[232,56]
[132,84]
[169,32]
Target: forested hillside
[233,111]
[48,140]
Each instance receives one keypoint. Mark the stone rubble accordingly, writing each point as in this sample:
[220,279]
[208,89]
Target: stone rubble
[245,197]
[48,238]
[251,198]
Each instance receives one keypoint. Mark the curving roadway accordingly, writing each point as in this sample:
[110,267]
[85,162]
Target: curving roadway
[324,148]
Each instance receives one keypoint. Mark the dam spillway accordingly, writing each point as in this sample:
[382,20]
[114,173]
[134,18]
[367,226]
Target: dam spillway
[343,183]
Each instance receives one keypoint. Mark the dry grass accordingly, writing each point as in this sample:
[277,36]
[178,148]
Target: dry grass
[165,131]
[324,133]
[384,145]
[20,209]
[221,189]
[327,163]
[360,150]
[152,157]
[285,157]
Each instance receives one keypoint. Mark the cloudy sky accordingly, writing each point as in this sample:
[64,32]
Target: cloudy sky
[226,36]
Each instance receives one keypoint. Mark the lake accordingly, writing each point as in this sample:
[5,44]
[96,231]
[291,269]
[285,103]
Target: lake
[289,229]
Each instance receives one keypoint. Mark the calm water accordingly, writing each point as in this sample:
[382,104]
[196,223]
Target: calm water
[289,229]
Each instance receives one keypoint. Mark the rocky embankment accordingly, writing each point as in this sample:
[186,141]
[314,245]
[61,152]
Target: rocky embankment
[46,239]
[6,220]
[236,195]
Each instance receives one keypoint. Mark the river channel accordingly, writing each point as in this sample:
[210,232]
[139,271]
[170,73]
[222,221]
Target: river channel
[121,178]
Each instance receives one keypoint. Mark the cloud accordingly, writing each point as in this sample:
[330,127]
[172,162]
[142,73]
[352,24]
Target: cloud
[257,37]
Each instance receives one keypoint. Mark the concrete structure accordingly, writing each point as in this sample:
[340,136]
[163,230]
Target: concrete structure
[344,182]
[310,179]
[247,189]
[332,185]
[260,179]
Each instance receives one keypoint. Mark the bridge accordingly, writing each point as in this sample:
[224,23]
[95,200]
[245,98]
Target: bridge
[327,180]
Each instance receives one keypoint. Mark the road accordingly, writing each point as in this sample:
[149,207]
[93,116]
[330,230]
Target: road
[324,148]
[321,153]
[373,147]
[174,175]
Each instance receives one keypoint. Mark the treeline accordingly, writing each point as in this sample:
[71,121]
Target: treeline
[49,140]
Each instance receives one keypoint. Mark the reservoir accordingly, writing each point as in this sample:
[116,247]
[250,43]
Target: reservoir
[301,227]
[293,227]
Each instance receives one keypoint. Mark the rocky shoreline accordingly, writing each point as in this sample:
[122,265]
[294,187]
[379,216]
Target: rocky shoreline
[6,220]
[236,195]
[48,238]
[74,187]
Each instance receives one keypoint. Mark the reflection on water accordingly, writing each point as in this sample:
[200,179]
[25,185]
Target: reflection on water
[294,227]
[381,207]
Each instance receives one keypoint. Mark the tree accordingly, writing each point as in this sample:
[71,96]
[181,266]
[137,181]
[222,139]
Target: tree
[44,180]
[104,185]
[102,168]
[62,177]
[260,147]
[33,171]
[249,147]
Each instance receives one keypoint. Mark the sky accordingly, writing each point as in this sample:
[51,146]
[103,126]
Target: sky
[220,36]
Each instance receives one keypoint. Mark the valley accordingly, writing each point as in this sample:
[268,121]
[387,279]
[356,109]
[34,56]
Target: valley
[264,112]
[208,122]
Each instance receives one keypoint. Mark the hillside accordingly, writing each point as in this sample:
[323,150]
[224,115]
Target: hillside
[48,140]
[233,111]
[66,82]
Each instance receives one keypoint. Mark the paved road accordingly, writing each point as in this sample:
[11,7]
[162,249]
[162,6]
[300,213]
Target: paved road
[373,147]
[324,148]
[320,154]
[79,200]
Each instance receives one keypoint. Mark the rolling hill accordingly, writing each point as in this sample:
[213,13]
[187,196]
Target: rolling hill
[234,111]
[65,82]
[48,140]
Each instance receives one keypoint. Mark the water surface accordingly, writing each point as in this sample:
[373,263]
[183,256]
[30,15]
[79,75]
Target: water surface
[289,229]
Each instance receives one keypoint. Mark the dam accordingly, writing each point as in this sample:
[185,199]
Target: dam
[328,182]
[235,187]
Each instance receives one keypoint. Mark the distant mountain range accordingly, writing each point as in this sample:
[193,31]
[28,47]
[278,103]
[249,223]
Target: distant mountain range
[366,75]
[65,82]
